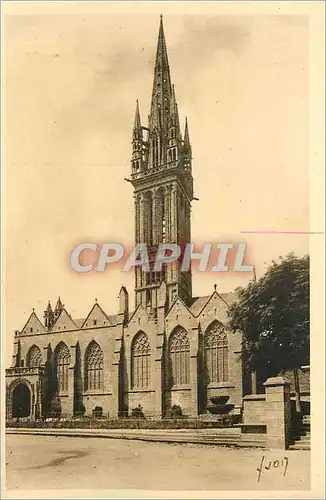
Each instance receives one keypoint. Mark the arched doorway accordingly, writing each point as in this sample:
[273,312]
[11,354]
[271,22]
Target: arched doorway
[21,401]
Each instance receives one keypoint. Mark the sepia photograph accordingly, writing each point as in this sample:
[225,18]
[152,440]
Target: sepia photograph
[162,249]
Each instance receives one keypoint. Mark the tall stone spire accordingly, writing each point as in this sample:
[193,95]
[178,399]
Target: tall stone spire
[163,185]
[162,89]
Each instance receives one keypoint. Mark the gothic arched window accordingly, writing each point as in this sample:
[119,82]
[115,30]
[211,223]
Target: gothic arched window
[216,353]
[34,357]
[62,361]
[179,352]
[140,361]
[93,367]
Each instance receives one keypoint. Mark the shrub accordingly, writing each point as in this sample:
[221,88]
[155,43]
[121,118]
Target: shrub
[130,423]
[55,407]
[137,412]
[174,412]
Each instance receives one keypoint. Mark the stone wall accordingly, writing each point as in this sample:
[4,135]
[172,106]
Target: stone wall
[272,409]
[254,409]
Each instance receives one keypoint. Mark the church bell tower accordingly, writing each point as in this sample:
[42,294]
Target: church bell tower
[163,185]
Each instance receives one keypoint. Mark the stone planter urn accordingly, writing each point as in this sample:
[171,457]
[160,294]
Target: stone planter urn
[219,405]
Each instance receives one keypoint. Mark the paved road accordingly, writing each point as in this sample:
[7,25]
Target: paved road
[46,462]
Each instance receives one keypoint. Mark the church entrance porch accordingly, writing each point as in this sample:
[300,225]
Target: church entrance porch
[23,393]
[21,401]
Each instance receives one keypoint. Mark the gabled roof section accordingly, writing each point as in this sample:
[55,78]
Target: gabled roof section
[198,305]
[96,317]
[79,322]
[229,297]
[201,302]
[139,310]
[33,325]
[114,319]
[178,302]
[64,322]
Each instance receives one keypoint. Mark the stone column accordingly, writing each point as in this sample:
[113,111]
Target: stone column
[154,217]
[137,216]
[174,214]
[253,382]
[141,239]
[167,210]
[116,383]
[141,218]
[174,229]
[16,354]
[38,398]
[167,213]
[194,372]
[45,354]
[157,373]
[278,410]
[68,403]
[33,402]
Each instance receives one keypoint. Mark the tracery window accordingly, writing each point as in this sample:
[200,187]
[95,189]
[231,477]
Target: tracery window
[93,367]
[140,361]
[179,351]
[216,353]
[34,357]
[62,360]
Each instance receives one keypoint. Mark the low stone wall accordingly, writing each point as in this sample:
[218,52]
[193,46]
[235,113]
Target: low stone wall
[272,409]
[254,408]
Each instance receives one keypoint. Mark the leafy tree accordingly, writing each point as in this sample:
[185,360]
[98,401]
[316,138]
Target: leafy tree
[273,315]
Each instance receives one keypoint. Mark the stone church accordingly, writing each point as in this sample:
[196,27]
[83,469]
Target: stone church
[170,348]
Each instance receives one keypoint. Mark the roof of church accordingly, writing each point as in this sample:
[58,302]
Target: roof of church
[79,322]
[196,308]
[114,319]
[199,302]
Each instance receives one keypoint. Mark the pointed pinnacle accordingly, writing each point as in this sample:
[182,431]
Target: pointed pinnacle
[137,122]
[59,305]
[186,136]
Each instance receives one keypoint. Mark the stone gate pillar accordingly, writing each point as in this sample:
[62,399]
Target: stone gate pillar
[278,412]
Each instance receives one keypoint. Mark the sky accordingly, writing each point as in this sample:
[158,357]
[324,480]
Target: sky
[70,89]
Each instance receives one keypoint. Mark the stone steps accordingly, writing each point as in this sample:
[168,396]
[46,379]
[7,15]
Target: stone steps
[300,446]
[218,438]
[301,439]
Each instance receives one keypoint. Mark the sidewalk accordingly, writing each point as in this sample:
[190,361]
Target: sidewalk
[222,437]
